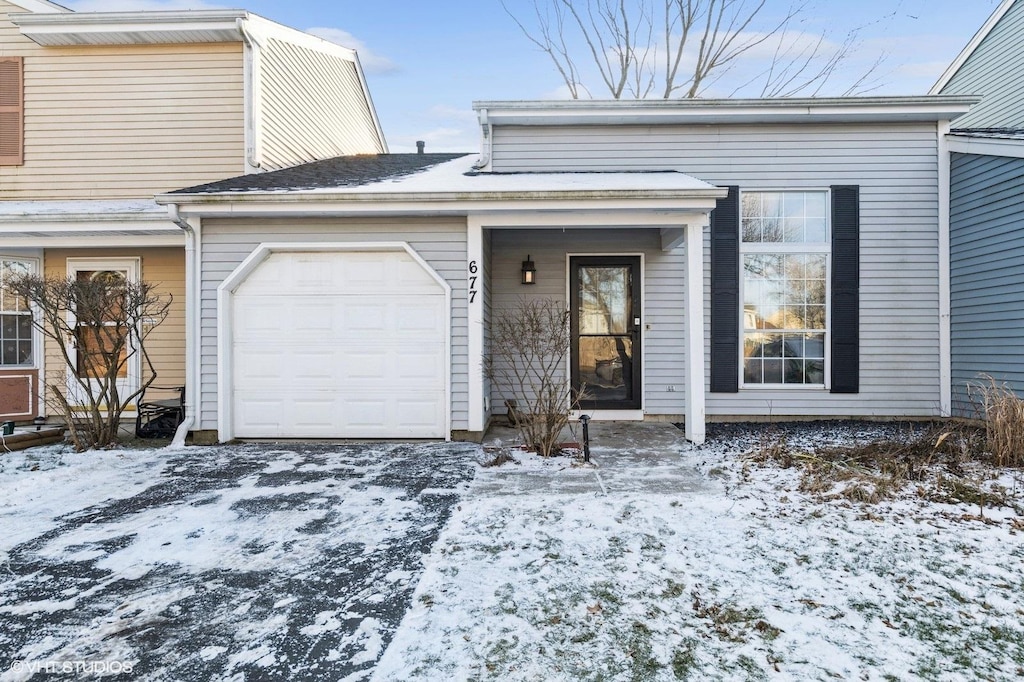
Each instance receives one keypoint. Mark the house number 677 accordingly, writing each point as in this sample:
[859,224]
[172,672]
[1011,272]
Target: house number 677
[474,277]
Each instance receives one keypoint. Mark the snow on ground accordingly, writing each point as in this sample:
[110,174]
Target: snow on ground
[659,561]
[608,575]
[235,562]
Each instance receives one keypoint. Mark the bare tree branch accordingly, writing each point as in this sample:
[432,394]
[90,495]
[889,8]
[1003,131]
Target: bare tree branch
[99,328]
[689,46]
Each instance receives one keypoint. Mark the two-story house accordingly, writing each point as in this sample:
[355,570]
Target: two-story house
[986,146]
[99,111]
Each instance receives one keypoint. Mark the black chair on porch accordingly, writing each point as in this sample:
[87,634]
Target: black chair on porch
[157,413]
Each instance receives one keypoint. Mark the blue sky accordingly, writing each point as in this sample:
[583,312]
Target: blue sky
[427,61]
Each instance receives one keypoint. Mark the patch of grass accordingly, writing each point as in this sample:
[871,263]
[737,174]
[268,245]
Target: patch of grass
[732,623]
[673,589]
[684,659]
[936,459]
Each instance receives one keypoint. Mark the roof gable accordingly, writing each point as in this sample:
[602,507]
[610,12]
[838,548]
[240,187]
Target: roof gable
[973,45]
[41,6]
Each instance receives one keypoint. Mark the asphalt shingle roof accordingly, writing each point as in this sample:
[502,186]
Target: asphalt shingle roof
[990,133]
[342,171]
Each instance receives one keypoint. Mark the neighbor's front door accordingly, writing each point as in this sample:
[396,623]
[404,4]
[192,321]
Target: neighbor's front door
[605,317]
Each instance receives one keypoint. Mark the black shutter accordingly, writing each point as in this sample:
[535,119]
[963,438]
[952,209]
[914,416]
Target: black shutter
[845,289]
[725,293]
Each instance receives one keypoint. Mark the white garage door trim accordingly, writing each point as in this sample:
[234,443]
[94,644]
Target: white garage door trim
[225,315]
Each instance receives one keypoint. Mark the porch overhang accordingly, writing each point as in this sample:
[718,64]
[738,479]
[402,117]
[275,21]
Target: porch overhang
[70,224]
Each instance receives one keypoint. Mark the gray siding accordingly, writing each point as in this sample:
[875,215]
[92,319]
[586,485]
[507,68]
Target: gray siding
[986,272]
[226,243]
[664,290]
[896,166]
[995,70]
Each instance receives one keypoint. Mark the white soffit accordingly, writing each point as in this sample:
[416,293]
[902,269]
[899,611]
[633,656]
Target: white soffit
[130,28]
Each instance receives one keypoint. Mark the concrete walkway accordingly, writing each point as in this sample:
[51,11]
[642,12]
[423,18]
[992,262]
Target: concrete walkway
[626,457]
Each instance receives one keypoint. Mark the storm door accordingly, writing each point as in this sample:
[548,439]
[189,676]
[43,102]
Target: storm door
[605,320]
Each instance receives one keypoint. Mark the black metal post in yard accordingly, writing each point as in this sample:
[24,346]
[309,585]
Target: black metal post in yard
[585,419]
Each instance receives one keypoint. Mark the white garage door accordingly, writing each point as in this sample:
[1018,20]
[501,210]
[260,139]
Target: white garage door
[339,345]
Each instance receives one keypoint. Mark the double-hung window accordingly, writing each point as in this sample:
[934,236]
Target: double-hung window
[15,318]
[785,256]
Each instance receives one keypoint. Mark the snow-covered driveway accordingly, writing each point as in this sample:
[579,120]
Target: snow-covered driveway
[255,562]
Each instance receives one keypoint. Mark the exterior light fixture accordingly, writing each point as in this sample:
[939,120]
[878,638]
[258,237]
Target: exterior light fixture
[529,272]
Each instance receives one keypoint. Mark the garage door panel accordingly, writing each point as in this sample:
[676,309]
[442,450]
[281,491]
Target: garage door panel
[340,345]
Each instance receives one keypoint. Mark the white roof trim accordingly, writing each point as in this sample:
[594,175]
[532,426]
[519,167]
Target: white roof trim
[986,146]
[727,111]
[101,211]
[127,28]
[41,6]
[966,53]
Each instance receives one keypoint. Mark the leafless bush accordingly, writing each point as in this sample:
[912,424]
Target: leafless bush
[99,325]
[1003,413]
[529,346]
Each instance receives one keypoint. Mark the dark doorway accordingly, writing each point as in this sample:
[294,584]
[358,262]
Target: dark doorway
[605,303]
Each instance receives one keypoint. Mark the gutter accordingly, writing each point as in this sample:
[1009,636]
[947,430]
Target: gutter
[192,315]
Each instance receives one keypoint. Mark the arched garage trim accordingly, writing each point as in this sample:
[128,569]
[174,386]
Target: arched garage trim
[225,316]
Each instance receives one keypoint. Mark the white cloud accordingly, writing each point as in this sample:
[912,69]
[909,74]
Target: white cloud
[561,92]
[138,5]
[371,61]
[443,111]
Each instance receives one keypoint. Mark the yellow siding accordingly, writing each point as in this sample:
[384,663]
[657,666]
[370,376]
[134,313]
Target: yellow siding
[125,121]
[321,116]
[162,266]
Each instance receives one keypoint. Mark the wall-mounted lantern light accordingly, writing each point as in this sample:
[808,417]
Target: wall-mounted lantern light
[529,271]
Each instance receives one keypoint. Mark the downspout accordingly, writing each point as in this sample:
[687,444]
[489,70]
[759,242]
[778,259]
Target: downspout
[484,162]
[250,64]
[945,296]
[191,325]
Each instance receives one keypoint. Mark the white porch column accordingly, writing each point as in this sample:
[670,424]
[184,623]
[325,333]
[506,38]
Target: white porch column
[695,331]
[475,303]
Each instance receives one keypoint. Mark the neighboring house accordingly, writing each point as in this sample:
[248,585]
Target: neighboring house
[987,209]
[100,111]
[720,258]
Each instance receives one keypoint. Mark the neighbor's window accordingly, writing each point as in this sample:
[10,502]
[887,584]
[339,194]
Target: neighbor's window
[785,254]
[15,318]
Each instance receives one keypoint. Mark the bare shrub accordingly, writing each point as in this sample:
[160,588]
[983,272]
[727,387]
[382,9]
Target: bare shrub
[529,346]
[878,470]
[1003,413]
[98,325]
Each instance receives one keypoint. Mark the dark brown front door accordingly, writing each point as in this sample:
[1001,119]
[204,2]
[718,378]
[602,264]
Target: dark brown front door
[605,305]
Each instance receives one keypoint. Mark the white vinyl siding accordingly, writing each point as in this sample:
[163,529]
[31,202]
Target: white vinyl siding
[440,242]
[663,316]
[323,115]
[896,167]
[986,277]
[995,70]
